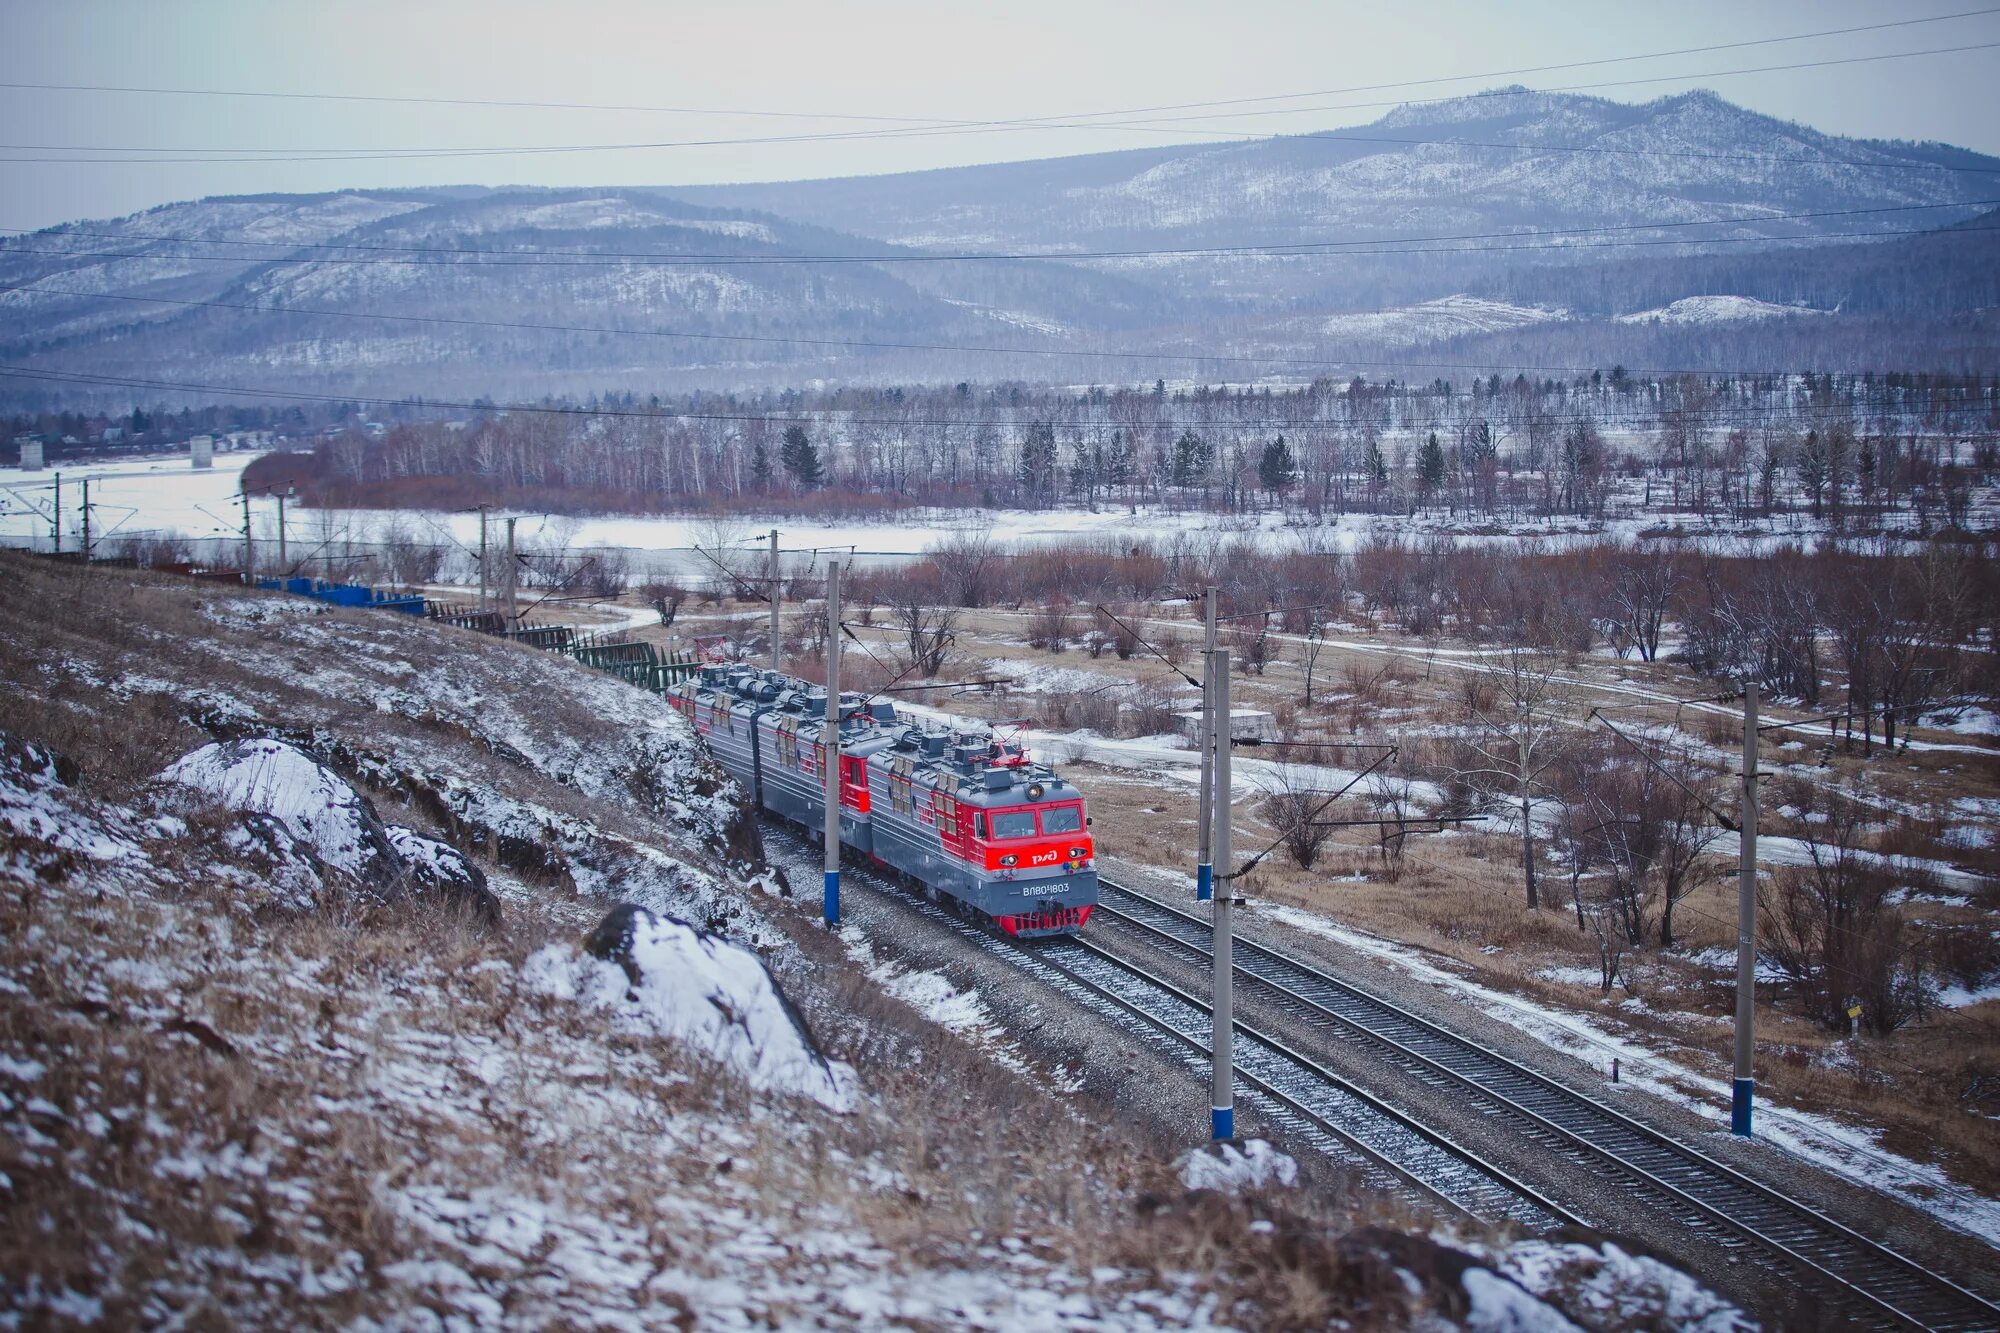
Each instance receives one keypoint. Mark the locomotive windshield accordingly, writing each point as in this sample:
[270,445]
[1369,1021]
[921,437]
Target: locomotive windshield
[1021,823]
[1062,819]
[1014,824]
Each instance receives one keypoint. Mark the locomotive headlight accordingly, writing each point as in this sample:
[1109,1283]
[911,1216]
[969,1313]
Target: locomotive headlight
[1010,860]
[1079,852]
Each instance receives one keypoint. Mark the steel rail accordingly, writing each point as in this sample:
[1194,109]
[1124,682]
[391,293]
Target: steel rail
[1312,1069]
[1035,958]
[1929,1299]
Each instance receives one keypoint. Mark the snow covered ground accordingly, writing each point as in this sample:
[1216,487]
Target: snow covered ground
[1842,1149]
[1714,310]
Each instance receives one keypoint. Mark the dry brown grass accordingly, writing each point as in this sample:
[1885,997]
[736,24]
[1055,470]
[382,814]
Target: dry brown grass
[1462,897]
[183,1039]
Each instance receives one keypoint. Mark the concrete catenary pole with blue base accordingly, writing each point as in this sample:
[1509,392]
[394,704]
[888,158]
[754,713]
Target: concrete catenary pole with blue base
[1222,1120]
[1743,1089]
[830,744]
[1204,865]
[777,627]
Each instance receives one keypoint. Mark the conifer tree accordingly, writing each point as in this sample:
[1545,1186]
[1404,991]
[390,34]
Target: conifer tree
[1276,468]
[801,458]
[1430,466]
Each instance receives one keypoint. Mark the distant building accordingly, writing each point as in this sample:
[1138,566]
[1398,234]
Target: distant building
[31,452]
[201,450]
[114,435]
[1245,724]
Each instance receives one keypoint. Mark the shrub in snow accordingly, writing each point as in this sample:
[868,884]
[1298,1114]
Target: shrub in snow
[1229,1168]
[659,974]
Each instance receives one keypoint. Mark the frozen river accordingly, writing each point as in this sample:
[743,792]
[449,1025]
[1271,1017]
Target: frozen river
[167,495]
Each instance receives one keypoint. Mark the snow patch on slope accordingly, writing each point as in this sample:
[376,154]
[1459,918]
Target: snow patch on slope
[1715,310]
[315,804]
[1446,317]
[697,988]
[1230,1170]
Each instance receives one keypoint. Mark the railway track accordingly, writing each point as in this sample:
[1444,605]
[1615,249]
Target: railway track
[1317,1108]
[1883,1286]
[1300,1095]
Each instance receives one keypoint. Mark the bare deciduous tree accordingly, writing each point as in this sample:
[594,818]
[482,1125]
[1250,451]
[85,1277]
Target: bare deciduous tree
[1522,737]
[927,629]
[1295,807]
[1830,927]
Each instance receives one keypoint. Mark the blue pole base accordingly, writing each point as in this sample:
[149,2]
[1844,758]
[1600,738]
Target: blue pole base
[1204,883]
[831,901]
[1742,1094]
[1222,1122]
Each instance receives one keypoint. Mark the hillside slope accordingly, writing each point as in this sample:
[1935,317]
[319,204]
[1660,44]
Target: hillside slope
[259,1067]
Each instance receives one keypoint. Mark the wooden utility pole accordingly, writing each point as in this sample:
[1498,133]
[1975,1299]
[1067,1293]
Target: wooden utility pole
[777,645]
[1204,867]
[482,557]
[513,582]
[830,746]
[1527,810]
[86,520]
[1222,1099]
[56,523]
[284,555]
[249,551]
[1743,1089]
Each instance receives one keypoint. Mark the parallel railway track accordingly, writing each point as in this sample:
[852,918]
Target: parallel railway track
[1878,1283]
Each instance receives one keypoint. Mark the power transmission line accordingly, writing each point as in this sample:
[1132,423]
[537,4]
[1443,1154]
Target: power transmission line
[411,99]
[1169,126]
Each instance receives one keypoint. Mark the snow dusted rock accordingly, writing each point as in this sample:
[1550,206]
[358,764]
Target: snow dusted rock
[1495,1304]
[315,804]
[443,870]
[302,819]
[1229,1168]
[661,975]
[1607,1286]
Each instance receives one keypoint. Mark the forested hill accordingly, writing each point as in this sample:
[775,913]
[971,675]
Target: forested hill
[1512,227]
[1501,160]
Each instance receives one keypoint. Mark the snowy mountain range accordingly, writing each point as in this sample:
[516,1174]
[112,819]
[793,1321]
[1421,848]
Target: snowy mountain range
[1425,229]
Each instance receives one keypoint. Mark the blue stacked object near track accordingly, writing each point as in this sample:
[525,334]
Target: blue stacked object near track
[348,594]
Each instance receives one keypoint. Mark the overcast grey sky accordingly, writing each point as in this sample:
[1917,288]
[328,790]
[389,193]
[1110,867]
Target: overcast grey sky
[822,60]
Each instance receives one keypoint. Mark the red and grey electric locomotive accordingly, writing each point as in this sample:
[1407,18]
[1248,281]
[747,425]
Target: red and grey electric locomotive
[968,816]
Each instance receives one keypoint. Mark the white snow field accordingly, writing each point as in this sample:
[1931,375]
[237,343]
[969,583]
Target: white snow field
[1715,310]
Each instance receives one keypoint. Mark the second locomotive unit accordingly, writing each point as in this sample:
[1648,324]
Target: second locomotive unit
[968,816]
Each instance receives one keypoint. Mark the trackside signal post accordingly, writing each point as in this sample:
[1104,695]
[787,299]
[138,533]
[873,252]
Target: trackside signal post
[830,745]
[1222,1101]
[1743,1088]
